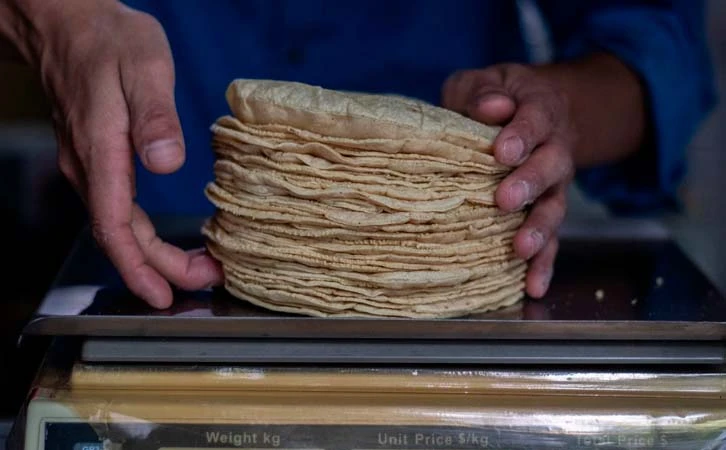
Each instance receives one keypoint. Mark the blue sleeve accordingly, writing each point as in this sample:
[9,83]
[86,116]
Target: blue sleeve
[664,43]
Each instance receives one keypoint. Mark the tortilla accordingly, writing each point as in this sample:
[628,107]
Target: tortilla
[342,204]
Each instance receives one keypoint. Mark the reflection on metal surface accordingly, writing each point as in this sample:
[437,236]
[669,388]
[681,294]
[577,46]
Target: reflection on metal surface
[620,281]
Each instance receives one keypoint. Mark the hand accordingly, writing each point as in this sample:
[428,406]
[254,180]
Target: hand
[109,72]
[537,139]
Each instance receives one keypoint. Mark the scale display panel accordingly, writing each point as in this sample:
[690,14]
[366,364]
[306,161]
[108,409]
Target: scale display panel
[214,408]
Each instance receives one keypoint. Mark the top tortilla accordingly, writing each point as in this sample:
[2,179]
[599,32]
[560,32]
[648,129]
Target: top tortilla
[353,115]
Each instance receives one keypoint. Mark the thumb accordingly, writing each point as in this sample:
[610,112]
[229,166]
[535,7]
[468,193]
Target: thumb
[480,94]
[155,128]
[154,123]
[490,101]
[492,106]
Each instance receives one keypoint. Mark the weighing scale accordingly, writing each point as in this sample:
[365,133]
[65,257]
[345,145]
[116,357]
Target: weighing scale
[627,351]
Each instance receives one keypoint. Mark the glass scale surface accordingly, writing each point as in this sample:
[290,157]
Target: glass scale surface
[627,351]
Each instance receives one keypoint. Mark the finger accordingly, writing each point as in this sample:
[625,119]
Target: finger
[110,209]
[492,106]
[459,87]
[191,270]
[551,164]
[148,83]
[535,120]
[456,90]
[541,224]
[541,268]
[536,311]
[101,138]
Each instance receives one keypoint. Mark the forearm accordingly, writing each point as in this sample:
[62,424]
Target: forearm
[607,106]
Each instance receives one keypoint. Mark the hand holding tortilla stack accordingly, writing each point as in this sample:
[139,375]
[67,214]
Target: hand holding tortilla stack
[332,203]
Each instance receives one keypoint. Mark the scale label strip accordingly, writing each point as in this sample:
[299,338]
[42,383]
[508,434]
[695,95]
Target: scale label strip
[522,436]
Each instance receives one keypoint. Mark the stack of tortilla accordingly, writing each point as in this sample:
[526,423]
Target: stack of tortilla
[333,203]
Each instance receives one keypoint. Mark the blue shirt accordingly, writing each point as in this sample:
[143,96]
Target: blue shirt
[409,48]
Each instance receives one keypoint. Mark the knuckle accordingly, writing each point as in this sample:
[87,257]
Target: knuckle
[85,42]
[148,21]
[546,106]
[541,112]
[522,127]
[524,119]
[101,232]
[155,113]
[139,21]
[534,179]
[151,242]
[156,118]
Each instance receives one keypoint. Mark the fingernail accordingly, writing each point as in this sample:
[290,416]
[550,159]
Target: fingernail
[519,194]
[537,241]
[163,153]
[512,150]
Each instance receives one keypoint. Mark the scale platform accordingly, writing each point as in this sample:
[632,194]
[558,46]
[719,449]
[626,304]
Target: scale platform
[623,292]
